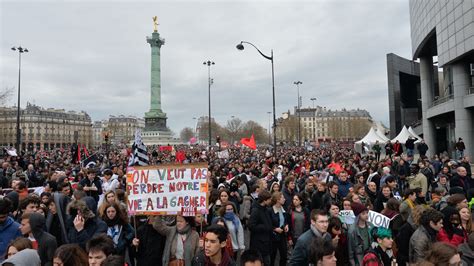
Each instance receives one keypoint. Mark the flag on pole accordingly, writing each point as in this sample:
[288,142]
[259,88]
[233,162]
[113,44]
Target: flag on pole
[90,162]
[249,142]
[139,153]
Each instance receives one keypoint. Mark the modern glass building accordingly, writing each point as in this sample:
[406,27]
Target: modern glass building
[442,34]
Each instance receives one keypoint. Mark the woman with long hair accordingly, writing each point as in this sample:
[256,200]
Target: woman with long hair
[299,219]
[70,255]
[466,220]
[280,228]
[109,198]
[234,226]
[118,227]
[17,245]
[182,242]
[391,210]
[339,240]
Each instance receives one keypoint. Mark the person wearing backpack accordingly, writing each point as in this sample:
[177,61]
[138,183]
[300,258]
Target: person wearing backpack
[381,254]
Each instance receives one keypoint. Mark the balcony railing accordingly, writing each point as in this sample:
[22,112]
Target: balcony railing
[470,90]
[443,99]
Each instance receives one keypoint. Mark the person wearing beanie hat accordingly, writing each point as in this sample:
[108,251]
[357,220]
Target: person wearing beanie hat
[359,239]
[358,208]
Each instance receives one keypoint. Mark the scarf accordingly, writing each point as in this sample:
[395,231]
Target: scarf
[229,216]
[317,233]
[410,203]
[181,238]
[111,222]
[185,230]
[114,233]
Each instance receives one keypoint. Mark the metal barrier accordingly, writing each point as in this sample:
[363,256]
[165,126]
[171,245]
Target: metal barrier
[442,99]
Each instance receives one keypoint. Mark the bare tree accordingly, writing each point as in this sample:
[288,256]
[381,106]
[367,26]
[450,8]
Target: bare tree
[5,94]
[287,130]
[234,128]
[259,132]
[186,134]
[216,130]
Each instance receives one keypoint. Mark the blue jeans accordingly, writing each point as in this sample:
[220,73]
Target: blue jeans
[410,152]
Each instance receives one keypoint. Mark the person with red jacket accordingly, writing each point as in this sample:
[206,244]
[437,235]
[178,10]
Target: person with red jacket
[452,231]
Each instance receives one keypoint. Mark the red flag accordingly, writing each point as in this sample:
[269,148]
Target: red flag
[78,152]
[180,156]
[166,148]
[249,142]
[85,151]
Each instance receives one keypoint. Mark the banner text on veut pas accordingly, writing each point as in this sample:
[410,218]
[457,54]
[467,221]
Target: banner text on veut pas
[167,189]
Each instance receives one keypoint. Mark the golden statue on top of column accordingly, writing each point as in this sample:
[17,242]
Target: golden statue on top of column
[155,24]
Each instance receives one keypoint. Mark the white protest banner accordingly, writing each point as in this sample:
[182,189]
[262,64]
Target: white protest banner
[167,189]
[12,152]
[378,219]
[223,154]
[347,216]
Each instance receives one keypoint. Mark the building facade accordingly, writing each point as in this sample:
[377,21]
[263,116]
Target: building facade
[121,129]
[320,124]
[442,34]
[404,93]
[45,129]
[202,130]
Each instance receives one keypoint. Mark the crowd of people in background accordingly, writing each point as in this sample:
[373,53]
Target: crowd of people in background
[262,209]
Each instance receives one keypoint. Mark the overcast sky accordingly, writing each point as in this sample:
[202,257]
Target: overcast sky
[93,56]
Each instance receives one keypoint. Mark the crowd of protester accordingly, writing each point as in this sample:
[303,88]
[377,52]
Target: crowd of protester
[262,210]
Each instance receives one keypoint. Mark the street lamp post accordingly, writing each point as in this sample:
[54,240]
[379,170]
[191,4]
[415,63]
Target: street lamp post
[209,63]
[314,119]
[269,130]
[18,133]
[240,46]
[297,83]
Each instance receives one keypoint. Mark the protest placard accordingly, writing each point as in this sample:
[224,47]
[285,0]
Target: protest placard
[223,154]
[378,219]
[347,216]
[167,189]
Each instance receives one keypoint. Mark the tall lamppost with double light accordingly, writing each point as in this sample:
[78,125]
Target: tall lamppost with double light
[297,83]
[240,46]
[210,81]
[314,119]
[18,132]
[269,130]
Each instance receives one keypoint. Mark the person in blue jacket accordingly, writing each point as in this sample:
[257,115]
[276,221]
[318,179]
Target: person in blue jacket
[9,229]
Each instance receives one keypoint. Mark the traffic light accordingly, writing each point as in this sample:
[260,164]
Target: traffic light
[106,137]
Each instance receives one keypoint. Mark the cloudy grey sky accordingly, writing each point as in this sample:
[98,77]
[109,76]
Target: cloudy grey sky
[93,56]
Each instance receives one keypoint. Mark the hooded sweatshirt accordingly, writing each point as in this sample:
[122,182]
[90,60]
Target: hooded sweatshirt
[26,257]
[9,230]
[46,242]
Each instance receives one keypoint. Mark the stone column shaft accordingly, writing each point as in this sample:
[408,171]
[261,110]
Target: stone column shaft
[462,117]
[426,80]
